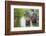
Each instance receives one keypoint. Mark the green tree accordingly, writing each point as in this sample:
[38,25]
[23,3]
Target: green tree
[18,12]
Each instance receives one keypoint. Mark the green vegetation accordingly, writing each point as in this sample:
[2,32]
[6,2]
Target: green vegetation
[18,12]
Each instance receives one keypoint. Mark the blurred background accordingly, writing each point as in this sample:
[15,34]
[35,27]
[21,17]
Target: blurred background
[30,16]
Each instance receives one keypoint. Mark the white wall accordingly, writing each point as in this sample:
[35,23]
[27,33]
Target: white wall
[2,18]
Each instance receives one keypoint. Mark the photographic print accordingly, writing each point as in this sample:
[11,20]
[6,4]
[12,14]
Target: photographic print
[24,18]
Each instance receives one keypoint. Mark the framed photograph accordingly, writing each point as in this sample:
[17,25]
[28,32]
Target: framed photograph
[24,17]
